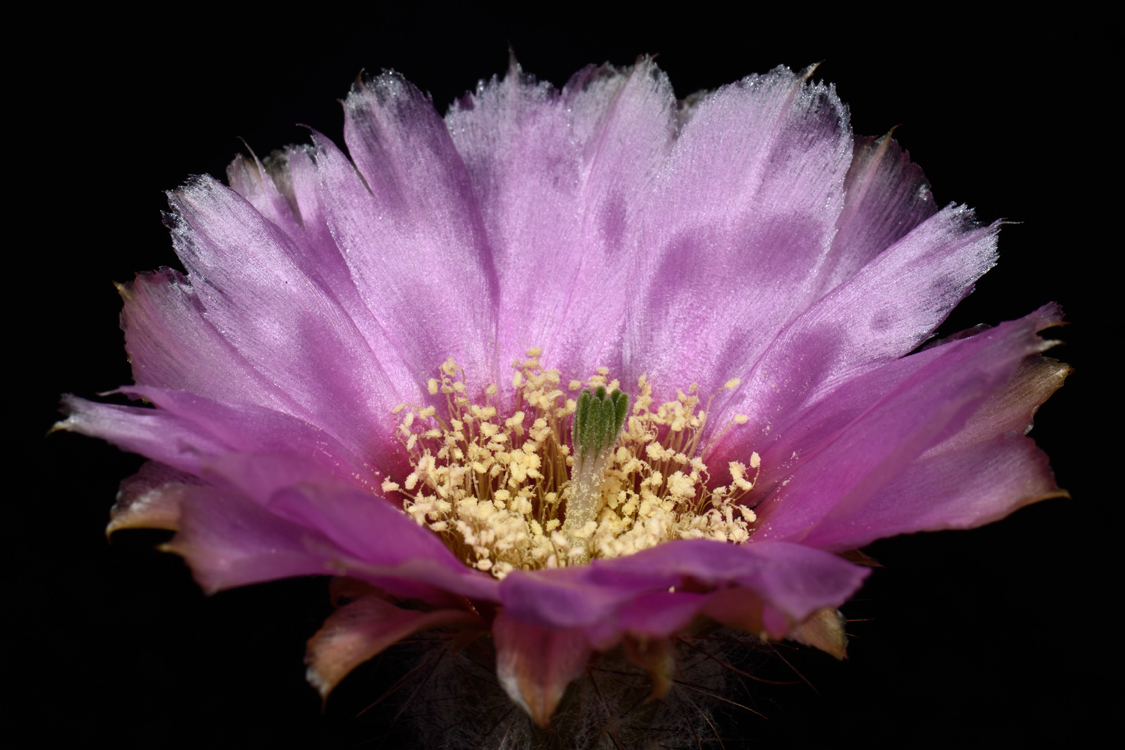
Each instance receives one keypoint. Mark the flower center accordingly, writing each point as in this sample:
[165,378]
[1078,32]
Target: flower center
[588,477]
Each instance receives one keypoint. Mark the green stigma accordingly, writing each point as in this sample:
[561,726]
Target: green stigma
[598,420]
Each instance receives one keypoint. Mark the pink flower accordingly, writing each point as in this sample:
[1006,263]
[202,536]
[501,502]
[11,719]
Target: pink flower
[372,371]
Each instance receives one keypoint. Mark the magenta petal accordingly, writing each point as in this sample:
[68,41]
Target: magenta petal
[229,541]
[387,541]
[154,433]
[286,192]
[610,597]
[981,474]
[928,407]
[252,429]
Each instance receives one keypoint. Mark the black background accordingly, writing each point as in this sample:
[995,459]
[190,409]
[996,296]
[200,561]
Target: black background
[1000,635]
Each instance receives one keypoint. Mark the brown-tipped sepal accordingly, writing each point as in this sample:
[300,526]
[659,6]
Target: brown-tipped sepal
[535,664]
[150,499]
[360,630]
[824,629]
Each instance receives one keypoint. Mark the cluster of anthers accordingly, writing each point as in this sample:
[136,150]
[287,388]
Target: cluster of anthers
[505,494]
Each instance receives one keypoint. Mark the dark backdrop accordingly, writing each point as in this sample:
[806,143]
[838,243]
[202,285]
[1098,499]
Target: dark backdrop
[999,635]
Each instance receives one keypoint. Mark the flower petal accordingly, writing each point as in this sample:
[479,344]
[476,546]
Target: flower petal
[171,344]
[536,663]
[154,433]
[892,426]
[362,629]
[229,540]
[286,191]
[560,177]
[981,474]
[409,228]
[742,215]
[383,538]
[886,196]
[248,275]
[252,429]
[610,597]
[883,312]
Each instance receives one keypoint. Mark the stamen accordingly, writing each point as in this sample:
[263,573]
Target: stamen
[521,490]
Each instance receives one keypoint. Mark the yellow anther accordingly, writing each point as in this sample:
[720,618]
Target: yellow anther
[496,489]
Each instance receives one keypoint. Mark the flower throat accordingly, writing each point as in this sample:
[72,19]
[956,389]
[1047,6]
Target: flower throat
[504,494]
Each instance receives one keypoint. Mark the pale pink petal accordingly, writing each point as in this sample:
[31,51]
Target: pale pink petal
[742,214]
[285,191]
[408,226]
[883,312]
[561,177]
[254,291]
[886,196]
[171,344]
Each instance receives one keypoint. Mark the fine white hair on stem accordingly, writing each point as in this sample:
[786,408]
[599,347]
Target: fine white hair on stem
[451,699]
